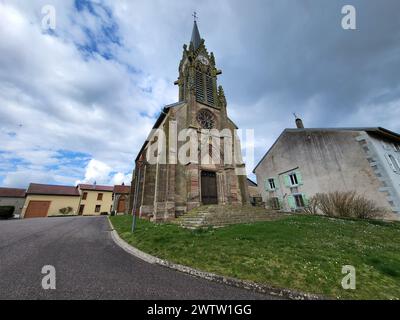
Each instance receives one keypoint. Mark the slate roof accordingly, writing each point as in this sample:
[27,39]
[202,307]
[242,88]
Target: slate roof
[196,39]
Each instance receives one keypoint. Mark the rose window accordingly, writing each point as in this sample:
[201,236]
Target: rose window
[206,119]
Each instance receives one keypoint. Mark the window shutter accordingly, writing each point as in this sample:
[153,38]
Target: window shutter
[291,202]
[276,183]
[305,199]
[286,180]
[267,185]
[398,163]
[299,178]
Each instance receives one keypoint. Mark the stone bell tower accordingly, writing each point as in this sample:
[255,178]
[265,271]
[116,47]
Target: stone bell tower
[198,79]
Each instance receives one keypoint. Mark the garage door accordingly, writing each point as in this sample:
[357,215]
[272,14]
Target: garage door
[37,209]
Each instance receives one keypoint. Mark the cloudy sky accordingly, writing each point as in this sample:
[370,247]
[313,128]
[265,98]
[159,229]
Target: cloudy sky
[77,103]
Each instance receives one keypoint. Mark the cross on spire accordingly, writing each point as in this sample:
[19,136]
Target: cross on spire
[194,15]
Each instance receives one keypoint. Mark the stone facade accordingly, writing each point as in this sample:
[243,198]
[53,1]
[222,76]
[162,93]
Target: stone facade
[167,189]
[303,162]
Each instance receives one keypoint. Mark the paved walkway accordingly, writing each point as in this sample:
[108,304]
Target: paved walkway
[89,265]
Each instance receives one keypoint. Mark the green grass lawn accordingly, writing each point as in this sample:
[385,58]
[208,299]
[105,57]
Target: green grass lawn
[299,252]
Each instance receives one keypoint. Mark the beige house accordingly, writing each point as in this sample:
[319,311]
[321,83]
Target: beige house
[95,200]
[48,200]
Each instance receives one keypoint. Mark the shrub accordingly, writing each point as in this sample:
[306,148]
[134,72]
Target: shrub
[66,210]
[344,205]
[312,206]
[6,212]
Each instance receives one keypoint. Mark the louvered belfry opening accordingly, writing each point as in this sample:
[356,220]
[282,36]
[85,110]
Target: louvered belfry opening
[200,96]
[204,88]
[210,90]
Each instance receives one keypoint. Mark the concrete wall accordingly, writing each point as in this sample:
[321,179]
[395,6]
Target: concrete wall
[18,203]
[91,202]
[327,161]
[57,203]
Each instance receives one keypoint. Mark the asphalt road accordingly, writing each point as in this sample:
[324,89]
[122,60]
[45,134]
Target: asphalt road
[89,265]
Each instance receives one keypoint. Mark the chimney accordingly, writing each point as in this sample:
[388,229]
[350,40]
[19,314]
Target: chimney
[299,122]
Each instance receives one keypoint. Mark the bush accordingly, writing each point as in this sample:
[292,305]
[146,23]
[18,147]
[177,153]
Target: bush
[343,205]
[312,206]
[66,210]
[6,212]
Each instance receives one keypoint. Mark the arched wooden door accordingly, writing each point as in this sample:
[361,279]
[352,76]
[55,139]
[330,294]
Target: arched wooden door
[121,204]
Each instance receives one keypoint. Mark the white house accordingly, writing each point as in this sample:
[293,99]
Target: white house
[303,162]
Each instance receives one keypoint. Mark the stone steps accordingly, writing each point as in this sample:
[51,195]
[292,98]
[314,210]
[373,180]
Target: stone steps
[220,216]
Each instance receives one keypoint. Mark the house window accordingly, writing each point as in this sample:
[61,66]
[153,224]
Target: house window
[84,196]
[395,164]
[298,198]
[98,208]
[100,197]
[275,205]
[293,179]
[272,184]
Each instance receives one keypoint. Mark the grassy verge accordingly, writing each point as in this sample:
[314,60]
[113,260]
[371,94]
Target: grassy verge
[300,252]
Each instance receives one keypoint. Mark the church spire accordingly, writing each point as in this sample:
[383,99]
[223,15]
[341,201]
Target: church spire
[196,39]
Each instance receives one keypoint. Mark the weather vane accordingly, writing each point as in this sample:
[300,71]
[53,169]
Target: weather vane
[195,16]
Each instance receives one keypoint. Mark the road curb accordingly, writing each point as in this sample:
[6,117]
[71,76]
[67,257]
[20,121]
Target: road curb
[264,289]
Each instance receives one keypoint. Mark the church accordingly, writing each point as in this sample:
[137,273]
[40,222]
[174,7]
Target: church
[165,187]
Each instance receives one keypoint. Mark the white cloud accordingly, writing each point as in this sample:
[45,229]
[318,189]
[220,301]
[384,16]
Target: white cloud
[96,171]
[62,106]
[120,178]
